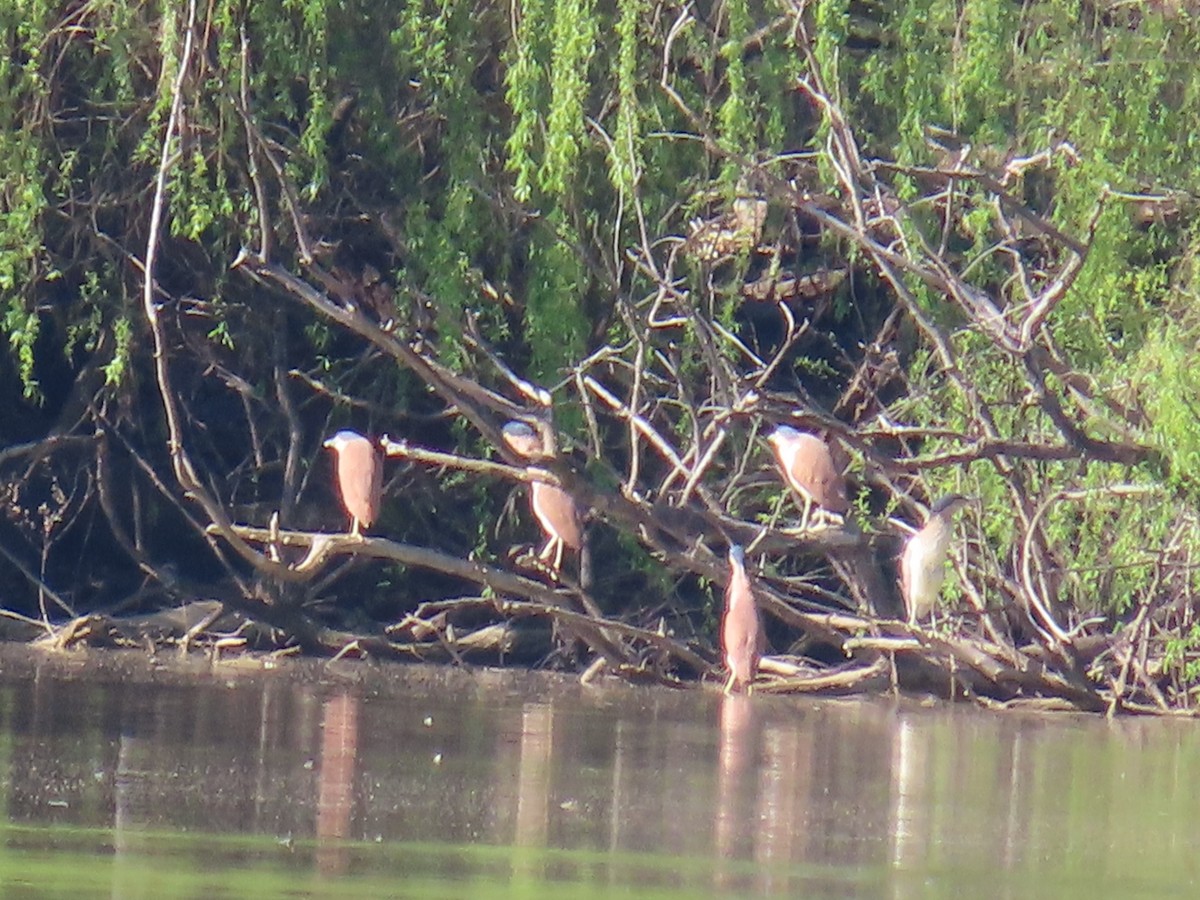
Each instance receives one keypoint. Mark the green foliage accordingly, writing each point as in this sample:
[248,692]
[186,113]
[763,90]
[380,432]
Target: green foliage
[736,115]
[573,38]
[525,92]
[979,92]
[1183,656]
[831,21]
[1169,384]
[22,201]
[117,368]
[290,40]
[450,231]
[23,328]
[627,164]
[555,322]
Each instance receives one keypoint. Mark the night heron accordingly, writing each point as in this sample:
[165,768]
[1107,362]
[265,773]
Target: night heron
[734,232]
[808,466]
[923,562]
[551,505]
[742,637]
[359,477]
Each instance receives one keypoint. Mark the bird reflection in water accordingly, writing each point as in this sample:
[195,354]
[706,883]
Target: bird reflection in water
[533,788]
[335,791]
[737,779]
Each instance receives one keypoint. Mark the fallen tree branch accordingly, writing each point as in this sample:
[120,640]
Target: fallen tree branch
[491,577]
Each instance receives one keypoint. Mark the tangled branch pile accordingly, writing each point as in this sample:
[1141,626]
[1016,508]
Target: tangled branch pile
[658,235]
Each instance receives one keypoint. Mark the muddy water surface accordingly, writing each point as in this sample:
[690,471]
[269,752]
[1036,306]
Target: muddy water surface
[127,778]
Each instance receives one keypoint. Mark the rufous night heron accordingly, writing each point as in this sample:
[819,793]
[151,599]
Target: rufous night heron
[808,467]
[742,636]
[923,562]
[359,475]
[552,506]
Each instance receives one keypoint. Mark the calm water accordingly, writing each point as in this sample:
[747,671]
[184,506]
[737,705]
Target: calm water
[130,780]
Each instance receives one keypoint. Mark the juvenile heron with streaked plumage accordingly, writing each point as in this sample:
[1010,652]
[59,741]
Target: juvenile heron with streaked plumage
[742,637]
[923,561]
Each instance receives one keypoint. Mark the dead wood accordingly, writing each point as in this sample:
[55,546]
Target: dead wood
[666,452]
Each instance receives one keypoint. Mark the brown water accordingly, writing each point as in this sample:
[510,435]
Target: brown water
[126,779]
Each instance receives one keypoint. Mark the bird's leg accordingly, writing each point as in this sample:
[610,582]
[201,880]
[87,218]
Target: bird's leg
[804,516]
[552,548]
[552,553]
[355,527]
[728,684]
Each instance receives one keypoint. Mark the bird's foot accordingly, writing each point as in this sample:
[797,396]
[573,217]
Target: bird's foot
[523,557]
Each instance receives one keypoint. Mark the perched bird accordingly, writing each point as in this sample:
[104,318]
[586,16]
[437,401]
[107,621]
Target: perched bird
[359,477]
[923,562]
[742,636]
[735,231]
[809,469]
[552,506]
